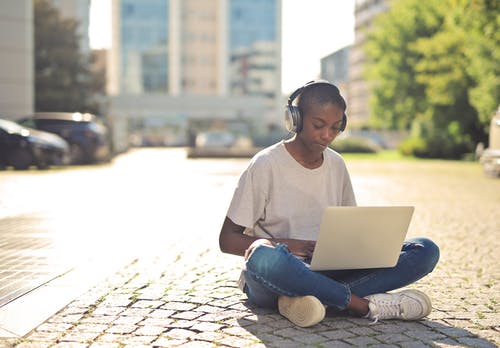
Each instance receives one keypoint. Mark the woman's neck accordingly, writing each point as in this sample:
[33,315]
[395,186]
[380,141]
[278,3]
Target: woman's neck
[302,155]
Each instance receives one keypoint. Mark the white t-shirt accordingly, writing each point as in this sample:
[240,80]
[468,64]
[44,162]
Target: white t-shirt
[279,195]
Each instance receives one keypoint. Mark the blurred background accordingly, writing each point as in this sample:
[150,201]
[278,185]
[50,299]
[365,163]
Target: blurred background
[419,77]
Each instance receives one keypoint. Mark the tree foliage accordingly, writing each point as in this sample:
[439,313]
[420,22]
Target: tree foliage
[63,78]
[434,71]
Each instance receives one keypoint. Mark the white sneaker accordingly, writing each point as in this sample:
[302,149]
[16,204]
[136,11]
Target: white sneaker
[303,311]
[405,305]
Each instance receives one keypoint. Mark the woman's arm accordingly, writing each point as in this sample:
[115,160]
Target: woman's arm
[233,241]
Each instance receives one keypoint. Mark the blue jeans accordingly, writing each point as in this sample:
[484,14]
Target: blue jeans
[272,272]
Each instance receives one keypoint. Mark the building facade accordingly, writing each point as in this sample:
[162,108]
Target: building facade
[196,47]
[335,68]
[16,55]
[359,92]
[192,50]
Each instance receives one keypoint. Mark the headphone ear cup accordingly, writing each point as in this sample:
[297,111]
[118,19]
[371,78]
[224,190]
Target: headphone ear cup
[293,121]
[344,122]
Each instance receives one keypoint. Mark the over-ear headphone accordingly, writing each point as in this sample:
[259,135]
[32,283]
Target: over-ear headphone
[293,118]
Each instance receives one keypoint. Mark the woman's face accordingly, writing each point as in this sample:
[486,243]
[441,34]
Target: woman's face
[321,124]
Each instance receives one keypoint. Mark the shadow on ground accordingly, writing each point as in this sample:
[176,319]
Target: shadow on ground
[339,329]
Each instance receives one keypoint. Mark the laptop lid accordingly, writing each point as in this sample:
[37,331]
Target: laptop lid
[360,237]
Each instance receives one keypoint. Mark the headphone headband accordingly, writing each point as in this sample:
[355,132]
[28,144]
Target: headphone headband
[293,118]
[299,90]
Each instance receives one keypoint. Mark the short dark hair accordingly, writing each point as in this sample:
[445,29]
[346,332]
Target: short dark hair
[319,93]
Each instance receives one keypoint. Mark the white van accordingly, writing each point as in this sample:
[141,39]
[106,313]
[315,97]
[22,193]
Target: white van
[490,158]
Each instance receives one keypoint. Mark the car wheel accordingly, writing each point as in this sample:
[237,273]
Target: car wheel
[21,159]
[42,164]
[76,154]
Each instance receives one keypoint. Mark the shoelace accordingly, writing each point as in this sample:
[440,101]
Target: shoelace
[384,310]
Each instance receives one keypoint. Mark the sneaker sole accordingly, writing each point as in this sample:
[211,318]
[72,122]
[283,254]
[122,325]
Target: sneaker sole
[303,311]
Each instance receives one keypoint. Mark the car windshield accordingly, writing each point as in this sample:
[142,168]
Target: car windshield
[11,127]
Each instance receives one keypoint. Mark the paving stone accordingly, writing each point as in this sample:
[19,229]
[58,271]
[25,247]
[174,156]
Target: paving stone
[72,318]
[335,344]
[206,327]
[77,336]
[363,331]
[168,342]
[109,338]
[121,329]
[476,342]
[179,333]
[209,336]
[196,344]
[136,311]
[414,344]
[310,338]
[105,345]
[128,320]
[187,315]
[149,330]
[446,343]
[337,334]
[425,335]
[208,309]
[55,327]
[391,338]
[289,332]
[160,313]
[178,306]
[234,341]
[148,304]
[138,339]
[70,345]
[99,319]
[108,311]
[361,341]
[163,322]
[42,336]
[85,327]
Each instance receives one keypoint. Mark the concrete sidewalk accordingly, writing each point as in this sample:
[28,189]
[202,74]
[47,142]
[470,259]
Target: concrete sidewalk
[183,291]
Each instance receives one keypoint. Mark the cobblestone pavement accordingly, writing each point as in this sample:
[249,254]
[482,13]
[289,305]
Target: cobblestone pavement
[182,291]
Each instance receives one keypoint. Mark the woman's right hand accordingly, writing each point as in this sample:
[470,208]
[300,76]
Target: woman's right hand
[301,248]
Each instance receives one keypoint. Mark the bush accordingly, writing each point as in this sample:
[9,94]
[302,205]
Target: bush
[412,147]
[434,147]
[354,145]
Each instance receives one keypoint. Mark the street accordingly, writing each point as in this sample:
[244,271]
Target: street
[148,224]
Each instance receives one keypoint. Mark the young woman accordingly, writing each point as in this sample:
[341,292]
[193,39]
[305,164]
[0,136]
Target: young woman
[274,216]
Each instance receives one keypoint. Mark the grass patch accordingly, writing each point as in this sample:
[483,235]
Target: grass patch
[384,155]
[396,156]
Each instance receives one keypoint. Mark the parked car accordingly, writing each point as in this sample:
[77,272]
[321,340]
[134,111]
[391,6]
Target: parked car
[215,139]
[21,147]
[87,137]
[490,158]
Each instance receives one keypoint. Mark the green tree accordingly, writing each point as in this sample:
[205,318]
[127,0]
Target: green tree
[482,50]
[63,79]
[448,90]
[397,97]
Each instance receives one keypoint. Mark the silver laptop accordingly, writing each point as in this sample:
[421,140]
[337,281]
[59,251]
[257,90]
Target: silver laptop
[360,237]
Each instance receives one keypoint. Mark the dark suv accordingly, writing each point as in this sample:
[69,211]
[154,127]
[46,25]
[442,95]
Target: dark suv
[21,147]
[87,137]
